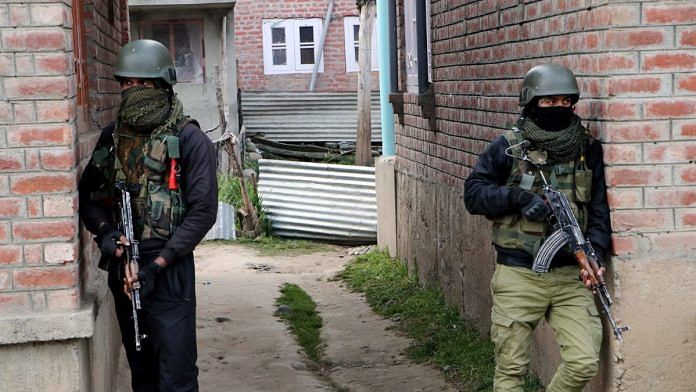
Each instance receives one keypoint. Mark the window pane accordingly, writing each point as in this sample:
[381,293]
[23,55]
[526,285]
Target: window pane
[280,57]
[160,33]
[306,34]
[357,54]
[189,53]
[278,34]
[356,32]
[307,56]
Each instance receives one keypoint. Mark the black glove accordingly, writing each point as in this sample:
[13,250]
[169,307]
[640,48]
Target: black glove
[531,205]
[147,277]
[107,241]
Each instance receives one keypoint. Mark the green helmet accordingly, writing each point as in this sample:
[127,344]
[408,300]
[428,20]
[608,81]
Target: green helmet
[548,79]
[145,59]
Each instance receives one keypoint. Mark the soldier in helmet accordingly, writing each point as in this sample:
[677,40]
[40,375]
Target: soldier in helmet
[168,165]
[500,188]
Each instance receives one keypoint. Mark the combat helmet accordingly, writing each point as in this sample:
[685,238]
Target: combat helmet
[145,59]
[548,79]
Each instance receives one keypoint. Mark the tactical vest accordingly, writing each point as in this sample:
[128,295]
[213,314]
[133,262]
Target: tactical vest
[572,178]
[157,209]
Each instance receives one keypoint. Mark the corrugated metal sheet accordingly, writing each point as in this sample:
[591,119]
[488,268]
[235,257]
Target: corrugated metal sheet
[224,225]
[319,201]
[306,117]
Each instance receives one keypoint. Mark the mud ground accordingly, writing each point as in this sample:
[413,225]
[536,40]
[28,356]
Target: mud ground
[243,347]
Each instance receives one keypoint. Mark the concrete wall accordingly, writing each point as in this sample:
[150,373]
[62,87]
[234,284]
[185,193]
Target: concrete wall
[199,99]
[249,16]
[636,63]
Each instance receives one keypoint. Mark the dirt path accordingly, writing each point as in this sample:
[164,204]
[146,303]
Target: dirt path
[243,347]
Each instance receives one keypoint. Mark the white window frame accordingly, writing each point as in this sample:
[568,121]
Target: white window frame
[293,45]
[410,30]
[351,63]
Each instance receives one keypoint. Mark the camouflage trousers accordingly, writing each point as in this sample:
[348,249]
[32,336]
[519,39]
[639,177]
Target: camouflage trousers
[521,298]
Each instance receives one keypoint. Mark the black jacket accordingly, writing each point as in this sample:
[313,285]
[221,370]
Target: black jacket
[198,184]
[485,193]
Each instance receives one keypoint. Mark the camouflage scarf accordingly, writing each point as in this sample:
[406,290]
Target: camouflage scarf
[561,146]
[149,110]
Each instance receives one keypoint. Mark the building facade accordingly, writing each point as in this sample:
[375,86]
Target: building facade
[278,42]
[636,65]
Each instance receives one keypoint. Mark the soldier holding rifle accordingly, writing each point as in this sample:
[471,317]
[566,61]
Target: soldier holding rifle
[548,145]
[149,194]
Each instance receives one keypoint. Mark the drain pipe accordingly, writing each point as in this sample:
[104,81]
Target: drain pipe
[320,52]
[385,78]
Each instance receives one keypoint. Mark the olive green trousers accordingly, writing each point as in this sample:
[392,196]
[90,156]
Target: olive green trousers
[521,298]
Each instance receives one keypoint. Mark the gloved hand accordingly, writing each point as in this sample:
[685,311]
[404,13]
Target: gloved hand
[147,277]
[531,205]
[107,241]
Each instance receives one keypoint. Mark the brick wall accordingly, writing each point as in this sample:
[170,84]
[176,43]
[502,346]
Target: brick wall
[38,226]
[636,65]
[248,18]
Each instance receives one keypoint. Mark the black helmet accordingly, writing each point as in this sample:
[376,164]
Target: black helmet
[548,79]
[145,59]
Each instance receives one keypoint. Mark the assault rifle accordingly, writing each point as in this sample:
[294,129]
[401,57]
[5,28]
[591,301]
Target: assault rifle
[567,231]
[132,257]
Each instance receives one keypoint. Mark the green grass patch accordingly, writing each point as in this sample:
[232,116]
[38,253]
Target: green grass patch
[303,319]
[275,246]
[439,336]
[230,192]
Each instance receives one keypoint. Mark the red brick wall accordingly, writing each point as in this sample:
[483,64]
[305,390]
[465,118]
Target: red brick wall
[636,63]
[249,45]
[39,152]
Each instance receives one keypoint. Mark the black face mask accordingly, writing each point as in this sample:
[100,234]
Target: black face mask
[552,118]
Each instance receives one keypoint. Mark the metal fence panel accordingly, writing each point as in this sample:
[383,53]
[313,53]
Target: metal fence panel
[319,201]
[224,224]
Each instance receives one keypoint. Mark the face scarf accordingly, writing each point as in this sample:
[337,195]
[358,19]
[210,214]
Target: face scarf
[552,118]
[562,145]
[149,110]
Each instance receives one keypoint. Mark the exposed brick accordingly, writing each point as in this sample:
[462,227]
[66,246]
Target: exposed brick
[670,13]
[34,205]
[11,207]
[685,175]
[685,84]
[55,111]
[4,232]
[34,39]
[620,132]
[58,159]
[673,61]
[670,152]
[59,205]
[63,299]
[14,302]
[639,86]
[619,198]
[642,220]
[51,64]
[670,197]
[54,277]
[40,135]
[10,255]
[7,67]
[687,37]
[623,153]
[685,219]
[670,108]
[6,116]
[24,112]
[42,183]
[643,38]
[38,301]
[48,14]
[33,254]
[638,176]
[24,64]
[624,244]
[5,280]
[31,159]
[11,161]
[672,241]
[44,87]
[19,15]
[62,253]
[61,230]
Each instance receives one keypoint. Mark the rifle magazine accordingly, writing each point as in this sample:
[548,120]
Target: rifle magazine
[551,246]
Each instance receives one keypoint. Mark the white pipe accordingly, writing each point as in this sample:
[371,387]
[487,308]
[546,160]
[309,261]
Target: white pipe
[320,52]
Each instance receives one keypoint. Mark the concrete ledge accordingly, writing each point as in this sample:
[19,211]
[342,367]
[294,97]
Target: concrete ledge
[152,4]
[41,327]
